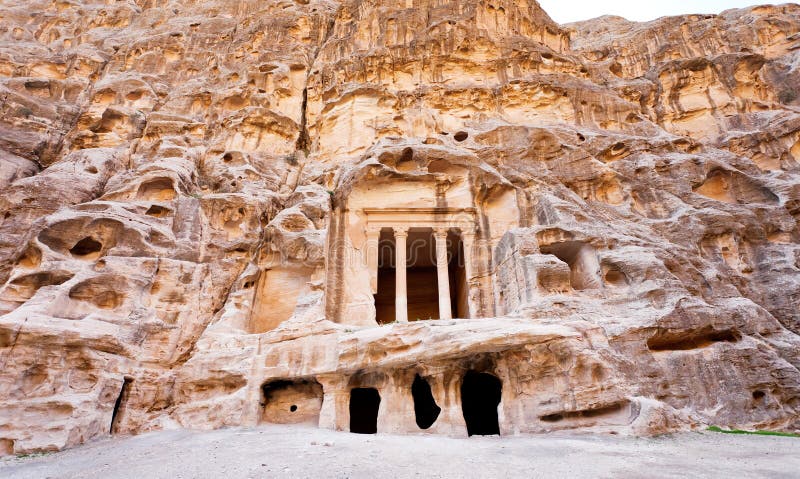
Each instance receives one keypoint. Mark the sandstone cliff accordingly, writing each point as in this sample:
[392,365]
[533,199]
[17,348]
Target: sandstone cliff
[192,193]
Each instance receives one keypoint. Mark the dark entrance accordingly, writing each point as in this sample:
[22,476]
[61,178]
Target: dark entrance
[425,408]
[119,405]
[364,403]
[480,396]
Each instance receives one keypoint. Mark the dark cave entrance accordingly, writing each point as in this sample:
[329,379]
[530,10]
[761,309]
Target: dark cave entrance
[480,396]
[119,405]
[425,408]
[364,404]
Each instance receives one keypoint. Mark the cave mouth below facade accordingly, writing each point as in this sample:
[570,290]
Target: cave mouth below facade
[426,411]
[364,405]
[480,396]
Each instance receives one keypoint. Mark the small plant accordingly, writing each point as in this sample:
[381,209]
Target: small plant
[32,454]
[759,433]
[196,195]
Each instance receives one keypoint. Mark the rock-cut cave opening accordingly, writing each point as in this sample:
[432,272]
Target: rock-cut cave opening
[364,404]
[426,410]
[292,402]
[480,396]
[119,405]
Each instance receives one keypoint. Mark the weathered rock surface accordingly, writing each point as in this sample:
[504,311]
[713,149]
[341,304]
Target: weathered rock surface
[192,191]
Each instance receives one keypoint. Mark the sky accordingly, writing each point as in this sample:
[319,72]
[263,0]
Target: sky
[565,11]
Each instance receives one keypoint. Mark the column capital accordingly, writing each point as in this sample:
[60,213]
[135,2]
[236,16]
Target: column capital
[372,230]
[400,231]
[469,231]
[440,231]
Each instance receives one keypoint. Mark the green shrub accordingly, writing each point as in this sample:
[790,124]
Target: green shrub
[759,433]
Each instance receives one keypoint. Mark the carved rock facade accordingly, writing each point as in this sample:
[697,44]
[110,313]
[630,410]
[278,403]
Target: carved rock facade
[202,203]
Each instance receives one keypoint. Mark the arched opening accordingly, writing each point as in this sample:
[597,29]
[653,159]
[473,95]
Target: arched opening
[425,408]
[119,405]
[480,396]
[364,404]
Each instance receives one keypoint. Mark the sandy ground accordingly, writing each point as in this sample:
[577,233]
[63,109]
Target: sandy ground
[299,452]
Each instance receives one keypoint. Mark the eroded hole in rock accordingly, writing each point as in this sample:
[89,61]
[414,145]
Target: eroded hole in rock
[582,261]
[461,136]
[615,152]
[552,417]
[31,258]
[86,248]
[758,395]
[405,162]
[615,277]
[103,292]
[585,414]
[26,286]
[364,405]
[119,406]
[157,211]
[110,120]
[159,189]
[425,408]
[480,397]
[292,402]
[734,187]
[667,340]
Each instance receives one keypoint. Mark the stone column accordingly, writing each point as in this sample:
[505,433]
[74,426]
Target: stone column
[468,241]
[335,402]
[443,277]
[401,295]
[373,236]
